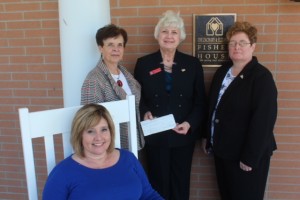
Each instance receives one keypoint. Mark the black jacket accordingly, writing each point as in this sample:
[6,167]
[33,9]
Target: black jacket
[246,114]
[186,101]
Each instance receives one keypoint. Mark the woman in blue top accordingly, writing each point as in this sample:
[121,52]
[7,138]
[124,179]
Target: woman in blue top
[97,170]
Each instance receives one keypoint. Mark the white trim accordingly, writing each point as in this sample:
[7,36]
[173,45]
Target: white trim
[78,21]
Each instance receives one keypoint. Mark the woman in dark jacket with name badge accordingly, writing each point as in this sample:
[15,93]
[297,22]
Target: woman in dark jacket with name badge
[172,83]
[242,114]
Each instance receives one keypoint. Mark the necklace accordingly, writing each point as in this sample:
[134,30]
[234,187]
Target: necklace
[117,79]
[119,82]
[168,68]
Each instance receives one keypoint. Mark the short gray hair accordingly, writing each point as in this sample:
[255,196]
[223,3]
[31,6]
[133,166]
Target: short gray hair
[170,19]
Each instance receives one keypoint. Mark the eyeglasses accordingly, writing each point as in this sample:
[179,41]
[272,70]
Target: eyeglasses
[240,43]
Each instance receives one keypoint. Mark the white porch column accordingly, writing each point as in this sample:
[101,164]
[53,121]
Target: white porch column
[78,21]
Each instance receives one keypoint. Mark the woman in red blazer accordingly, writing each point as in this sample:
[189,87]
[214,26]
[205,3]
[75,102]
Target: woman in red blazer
[242,114]
[172,83]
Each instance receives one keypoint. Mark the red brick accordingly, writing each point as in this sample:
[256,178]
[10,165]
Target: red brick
[137,3]
[49,5]
[52,59]
[30,93]
[26,42]
[42,33]
[22,7]
[50,24]
[41,15]
[289,8]
[11,34]
[49,67]
[124,12]
[12,51]
[11,16]
[24,25]
[27,59]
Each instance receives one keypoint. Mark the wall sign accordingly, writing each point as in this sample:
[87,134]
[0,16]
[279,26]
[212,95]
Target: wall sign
[209,38]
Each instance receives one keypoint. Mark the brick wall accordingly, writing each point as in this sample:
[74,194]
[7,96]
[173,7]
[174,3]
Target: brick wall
[30,75]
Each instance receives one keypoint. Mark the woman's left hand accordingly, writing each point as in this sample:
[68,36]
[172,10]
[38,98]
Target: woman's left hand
[245,167]
[182,128]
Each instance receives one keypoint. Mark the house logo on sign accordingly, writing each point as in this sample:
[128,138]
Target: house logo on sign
[214,27]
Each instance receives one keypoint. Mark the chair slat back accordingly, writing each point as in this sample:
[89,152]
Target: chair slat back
[46,124]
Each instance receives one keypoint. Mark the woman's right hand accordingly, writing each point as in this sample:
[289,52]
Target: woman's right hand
[148,115]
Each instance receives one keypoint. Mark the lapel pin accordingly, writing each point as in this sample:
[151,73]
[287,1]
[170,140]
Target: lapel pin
[183,70]
[242,76]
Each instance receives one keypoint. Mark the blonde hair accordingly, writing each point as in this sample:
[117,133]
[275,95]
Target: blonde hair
[86,117]
[170,19]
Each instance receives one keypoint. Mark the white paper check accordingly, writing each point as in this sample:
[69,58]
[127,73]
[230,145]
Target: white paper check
[158,124]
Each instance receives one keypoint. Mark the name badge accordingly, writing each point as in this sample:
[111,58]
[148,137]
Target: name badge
[155,71]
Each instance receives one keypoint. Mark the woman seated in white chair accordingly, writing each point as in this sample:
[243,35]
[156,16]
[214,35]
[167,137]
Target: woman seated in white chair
[97,170]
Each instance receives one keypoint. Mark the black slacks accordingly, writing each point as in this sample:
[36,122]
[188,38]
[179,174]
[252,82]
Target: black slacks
[236,184]
[170,169]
